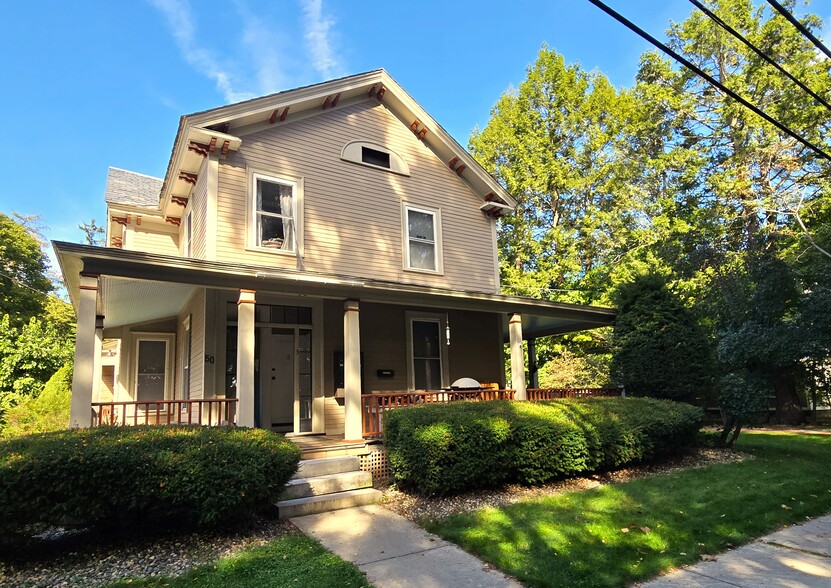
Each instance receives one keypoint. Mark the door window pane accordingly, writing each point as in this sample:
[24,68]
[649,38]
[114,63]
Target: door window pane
[150,377]
[426,354]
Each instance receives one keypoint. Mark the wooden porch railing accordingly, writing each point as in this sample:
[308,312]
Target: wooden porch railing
[536,394]
[208,411]
[373,406]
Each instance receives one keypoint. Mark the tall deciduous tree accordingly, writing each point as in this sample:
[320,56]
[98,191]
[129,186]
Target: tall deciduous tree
[23,281]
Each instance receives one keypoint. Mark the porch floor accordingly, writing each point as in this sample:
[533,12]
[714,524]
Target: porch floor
[317,446]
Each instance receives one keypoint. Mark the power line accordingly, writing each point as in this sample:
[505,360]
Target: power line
[701,73]
[800,27]
[758,51]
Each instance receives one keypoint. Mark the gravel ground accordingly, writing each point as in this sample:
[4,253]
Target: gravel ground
[80,560]
[84,561]
[418,508]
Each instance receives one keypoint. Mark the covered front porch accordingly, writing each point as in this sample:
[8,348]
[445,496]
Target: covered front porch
[305,354]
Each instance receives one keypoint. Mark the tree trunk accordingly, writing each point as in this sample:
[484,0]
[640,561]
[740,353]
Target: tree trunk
[788,404]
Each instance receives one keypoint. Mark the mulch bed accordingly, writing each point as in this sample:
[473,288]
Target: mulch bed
[83,559]
[418,508]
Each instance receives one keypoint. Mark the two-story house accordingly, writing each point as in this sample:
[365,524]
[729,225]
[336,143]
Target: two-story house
[303,249]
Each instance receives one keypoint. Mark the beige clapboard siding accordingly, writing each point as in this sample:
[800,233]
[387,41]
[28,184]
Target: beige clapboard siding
[199,208]
[333,416]
[106,388]
[353,217]
[195,307]
[144,238]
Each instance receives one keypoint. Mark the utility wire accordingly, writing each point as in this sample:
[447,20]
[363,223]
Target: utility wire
[800,27]
[758,51]
[701,73]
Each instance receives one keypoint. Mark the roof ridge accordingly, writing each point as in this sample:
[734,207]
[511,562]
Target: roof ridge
[135,173]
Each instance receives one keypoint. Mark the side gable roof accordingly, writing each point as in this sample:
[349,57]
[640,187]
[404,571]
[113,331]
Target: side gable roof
[131,189]
[224,128]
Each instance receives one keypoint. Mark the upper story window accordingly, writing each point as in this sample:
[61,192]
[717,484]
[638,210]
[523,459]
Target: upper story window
[373,155]
[276,213]
[423,239]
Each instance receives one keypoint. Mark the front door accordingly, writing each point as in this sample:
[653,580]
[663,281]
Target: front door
[277,379]
[285,374]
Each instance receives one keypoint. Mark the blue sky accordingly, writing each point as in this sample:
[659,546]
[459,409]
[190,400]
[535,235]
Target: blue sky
[89,84]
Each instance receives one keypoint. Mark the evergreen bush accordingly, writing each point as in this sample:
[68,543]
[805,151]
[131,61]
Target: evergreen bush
[150,476]
[439,449]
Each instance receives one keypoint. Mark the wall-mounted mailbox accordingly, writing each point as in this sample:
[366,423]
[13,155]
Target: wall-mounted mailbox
[385,373]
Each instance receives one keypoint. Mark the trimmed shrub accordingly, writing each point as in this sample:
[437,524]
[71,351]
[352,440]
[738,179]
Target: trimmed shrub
[447,448]
[48,411]
[119,477]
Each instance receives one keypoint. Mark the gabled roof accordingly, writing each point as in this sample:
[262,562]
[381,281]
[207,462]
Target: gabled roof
[133,190]
[223,129]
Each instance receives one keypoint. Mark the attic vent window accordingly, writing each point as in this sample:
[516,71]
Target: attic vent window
[374,155]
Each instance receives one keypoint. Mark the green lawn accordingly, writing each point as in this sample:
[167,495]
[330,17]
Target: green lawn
[620,533]
[291,560]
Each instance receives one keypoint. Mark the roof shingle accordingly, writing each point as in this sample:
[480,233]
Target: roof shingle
[132,189]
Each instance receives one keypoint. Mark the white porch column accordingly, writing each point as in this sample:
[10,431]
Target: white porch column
[80,411]
[517,357]
[245,358]
[96,359]
[353,425]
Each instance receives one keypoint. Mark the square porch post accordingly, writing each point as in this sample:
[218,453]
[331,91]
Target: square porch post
[353,422]
[517,357]
[80,409]
[245,358]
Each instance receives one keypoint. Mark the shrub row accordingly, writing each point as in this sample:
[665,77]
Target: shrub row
[125,476]
[447,448]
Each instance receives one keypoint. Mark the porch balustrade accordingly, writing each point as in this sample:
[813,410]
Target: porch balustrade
[209,411]
[536,394]
[373,406]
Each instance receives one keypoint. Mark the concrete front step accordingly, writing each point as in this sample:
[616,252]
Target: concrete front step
[312,468]
[328,484]
[297,507]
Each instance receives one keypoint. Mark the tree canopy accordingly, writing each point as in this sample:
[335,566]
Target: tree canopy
[672,178]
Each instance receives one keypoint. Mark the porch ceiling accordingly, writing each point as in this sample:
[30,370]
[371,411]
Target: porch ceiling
[127,301]
[175,277]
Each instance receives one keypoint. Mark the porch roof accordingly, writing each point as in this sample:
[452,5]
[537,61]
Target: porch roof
[539,317]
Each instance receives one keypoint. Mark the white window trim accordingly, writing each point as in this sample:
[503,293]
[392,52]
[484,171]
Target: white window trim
[187,239]
[297,185]
[441,319]
[170,340]
[437,235]
[353,153]
[187,358]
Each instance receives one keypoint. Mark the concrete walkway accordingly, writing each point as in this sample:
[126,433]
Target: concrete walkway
[394,553]
[797,557]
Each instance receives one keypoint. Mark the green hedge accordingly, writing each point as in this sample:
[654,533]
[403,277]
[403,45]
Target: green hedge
[149,476]
[447,448]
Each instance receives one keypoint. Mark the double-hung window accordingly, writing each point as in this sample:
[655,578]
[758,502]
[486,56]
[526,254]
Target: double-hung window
[276,203]
[423,239]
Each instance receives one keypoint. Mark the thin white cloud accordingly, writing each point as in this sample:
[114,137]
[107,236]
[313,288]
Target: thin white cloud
[180,21]
[265,52]
[318,30]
